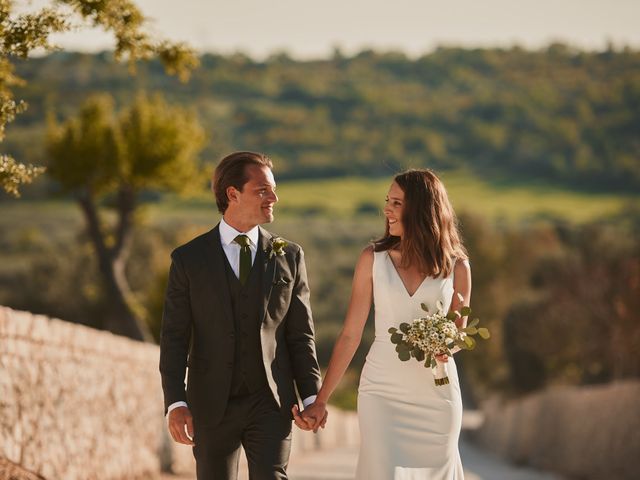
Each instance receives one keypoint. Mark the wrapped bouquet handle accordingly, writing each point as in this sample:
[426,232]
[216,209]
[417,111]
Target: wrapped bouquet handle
[440,374]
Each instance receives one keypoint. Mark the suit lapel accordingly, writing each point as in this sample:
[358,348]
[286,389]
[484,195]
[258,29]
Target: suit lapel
[269,269]
[214,256]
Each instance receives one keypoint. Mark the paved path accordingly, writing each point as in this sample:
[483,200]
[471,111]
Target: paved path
[340,463]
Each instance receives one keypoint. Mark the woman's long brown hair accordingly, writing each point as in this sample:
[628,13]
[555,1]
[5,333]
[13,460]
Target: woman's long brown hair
[431,238]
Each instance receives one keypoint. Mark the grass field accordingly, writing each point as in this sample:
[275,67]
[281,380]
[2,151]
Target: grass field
[346,197]
[511,201]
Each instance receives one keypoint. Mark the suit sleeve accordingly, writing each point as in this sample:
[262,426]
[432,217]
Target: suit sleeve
[300,334]
[175,334]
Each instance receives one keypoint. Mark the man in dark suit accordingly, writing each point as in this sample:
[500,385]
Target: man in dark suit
[237,314]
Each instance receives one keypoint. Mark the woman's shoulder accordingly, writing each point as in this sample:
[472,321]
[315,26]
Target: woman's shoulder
[366,259]
[367,254]
[461,268]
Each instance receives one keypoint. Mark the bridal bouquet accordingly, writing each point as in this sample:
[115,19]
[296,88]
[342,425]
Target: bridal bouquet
[435,334]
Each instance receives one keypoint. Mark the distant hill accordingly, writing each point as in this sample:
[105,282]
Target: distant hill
[559,114]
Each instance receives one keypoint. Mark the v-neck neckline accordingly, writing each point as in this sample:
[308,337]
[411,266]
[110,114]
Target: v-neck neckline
[404,286]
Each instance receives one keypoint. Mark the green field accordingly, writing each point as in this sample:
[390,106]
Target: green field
[346,197]
[512,201]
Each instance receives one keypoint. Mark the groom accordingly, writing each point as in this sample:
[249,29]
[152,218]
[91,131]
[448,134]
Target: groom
[237,314]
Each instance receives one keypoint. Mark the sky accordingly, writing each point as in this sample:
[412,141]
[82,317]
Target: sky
[312,29]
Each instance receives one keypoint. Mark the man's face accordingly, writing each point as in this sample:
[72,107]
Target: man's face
[254,204]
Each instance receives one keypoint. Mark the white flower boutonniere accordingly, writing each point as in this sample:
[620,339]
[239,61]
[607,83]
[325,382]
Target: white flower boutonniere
[277,247]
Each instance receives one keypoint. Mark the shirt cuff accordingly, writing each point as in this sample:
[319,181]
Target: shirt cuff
[175,405]
[309,400]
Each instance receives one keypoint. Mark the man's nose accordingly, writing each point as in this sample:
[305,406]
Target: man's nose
[274,197]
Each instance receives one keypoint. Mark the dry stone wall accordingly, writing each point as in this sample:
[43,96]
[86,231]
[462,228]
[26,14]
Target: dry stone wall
[590,433]
[77,403]
[82,404]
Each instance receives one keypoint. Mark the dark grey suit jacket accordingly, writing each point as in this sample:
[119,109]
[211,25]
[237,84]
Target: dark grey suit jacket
[198,328]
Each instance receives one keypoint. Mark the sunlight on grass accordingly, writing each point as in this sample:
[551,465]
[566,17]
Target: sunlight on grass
[513,202]
[348,197]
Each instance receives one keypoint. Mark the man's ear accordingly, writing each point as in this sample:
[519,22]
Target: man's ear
[232,194]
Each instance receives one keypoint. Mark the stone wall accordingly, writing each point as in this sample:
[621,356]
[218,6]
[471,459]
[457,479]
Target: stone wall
[81,404]
[76,403]
[581,432]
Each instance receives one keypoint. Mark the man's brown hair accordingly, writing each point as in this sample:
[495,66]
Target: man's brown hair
[231,172]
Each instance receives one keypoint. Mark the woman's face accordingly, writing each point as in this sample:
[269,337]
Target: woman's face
[394,205]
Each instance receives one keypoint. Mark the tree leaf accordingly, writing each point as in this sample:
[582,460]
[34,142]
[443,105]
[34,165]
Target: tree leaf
[424,307]
[473,322]
[404,355]
[465,311]
[392,330]
[404,327]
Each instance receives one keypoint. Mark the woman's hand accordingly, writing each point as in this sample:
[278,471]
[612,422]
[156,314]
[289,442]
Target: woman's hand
[444,358]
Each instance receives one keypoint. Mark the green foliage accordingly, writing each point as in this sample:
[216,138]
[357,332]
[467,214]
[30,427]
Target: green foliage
[526,121]
[556,114]
[580,323]
[85,152]
[14,174]
[108,160]
[161,144]
[22,33]
[149,145]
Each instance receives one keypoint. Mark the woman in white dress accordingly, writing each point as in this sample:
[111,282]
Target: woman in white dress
[409,427]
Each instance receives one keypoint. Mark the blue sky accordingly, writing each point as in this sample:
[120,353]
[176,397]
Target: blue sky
[309,29]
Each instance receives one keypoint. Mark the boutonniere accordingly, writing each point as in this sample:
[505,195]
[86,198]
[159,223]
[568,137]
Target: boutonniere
[277,247]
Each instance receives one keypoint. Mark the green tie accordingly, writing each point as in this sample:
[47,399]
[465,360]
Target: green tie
[245,257]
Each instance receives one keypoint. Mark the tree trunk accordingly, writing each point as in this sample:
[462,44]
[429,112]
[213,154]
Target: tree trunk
[123,318]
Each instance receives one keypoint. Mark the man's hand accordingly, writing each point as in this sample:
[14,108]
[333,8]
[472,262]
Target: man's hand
[313,417]
[300,422]
[317,413]
[179,419]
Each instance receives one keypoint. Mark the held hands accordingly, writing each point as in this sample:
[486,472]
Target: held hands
[181,425]
[311,418]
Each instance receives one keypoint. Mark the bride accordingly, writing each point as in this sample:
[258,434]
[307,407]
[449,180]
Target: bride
[409,427]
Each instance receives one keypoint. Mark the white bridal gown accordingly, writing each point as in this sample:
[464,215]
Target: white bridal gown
[409,427]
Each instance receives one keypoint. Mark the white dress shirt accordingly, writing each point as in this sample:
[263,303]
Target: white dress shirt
[232,251]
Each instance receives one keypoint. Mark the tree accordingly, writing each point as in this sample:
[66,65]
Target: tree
[105,161]
[22,33]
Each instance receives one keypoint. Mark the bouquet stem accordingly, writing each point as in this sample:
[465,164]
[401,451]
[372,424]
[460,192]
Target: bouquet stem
[440,375]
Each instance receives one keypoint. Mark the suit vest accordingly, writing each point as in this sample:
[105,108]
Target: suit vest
[248,368]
